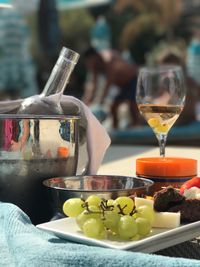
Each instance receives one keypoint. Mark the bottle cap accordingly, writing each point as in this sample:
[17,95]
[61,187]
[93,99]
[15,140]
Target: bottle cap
[166,167]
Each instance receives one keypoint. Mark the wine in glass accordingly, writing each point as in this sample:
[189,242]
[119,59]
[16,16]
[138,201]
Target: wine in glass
[160,97]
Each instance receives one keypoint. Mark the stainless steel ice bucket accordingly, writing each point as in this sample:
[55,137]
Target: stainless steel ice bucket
[32,149]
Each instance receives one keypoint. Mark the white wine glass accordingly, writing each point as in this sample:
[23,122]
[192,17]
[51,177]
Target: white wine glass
[160,97]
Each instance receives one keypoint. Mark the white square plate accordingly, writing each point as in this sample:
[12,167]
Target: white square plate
[158,239]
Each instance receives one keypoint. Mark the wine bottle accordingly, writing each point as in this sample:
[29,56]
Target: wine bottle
[43,104]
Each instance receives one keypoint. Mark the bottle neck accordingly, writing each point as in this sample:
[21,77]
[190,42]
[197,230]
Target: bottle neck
[59,77]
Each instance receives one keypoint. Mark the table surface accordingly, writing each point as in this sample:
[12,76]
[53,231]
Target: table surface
[120,160]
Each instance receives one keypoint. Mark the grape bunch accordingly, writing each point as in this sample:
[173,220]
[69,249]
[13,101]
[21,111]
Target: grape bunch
[99,218]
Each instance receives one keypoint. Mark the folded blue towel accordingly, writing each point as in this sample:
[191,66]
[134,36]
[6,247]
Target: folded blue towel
[22,244]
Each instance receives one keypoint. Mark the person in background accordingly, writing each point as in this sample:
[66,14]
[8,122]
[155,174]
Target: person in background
[118,72]
[193,63]
[188,114]
[17,72]
[101,34]
[49,37]
[193,57]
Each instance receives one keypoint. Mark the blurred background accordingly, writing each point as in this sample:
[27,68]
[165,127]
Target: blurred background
[113,37]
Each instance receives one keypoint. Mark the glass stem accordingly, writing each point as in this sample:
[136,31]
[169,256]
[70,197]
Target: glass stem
[162,138]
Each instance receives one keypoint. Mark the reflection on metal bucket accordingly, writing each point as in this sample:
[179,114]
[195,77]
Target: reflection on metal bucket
[32,149]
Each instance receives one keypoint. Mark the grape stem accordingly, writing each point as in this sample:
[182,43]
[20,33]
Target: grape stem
[105,207]
[121,210]
[133,211]
[85,205]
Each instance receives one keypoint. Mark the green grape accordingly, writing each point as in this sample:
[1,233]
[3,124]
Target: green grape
[94,200]
[111,202]
[103,234]
[143,225]
[73,207]
[82,218]
[93,228]
[125,201]
[135,238]
[111,220]
[127,227]
[94,208]
[85,215]
[146,212]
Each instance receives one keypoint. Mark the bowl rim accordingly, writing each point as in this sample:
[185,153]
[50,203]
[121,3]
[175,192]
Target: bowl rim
[148,181]
[35,116]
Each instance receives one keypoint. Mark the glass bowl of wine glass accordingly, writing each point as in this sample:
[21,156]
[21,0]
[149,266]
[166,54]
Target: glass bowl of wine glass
[160,97]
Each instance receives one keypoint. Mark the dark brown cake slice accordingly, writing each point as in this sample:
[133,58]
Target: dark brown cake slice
[190,210]
[167,198]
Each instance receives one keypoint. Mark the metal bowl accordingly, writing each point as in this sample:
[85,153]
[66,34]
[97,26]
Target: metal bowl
[59,189]
[34,148]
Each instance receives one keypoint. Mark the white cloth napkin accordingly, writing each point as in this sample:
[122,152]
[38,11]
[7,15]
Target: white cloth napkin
[97,138]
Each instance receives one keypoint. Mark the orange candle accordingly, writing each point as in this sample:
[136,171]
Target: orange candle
[166,171]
